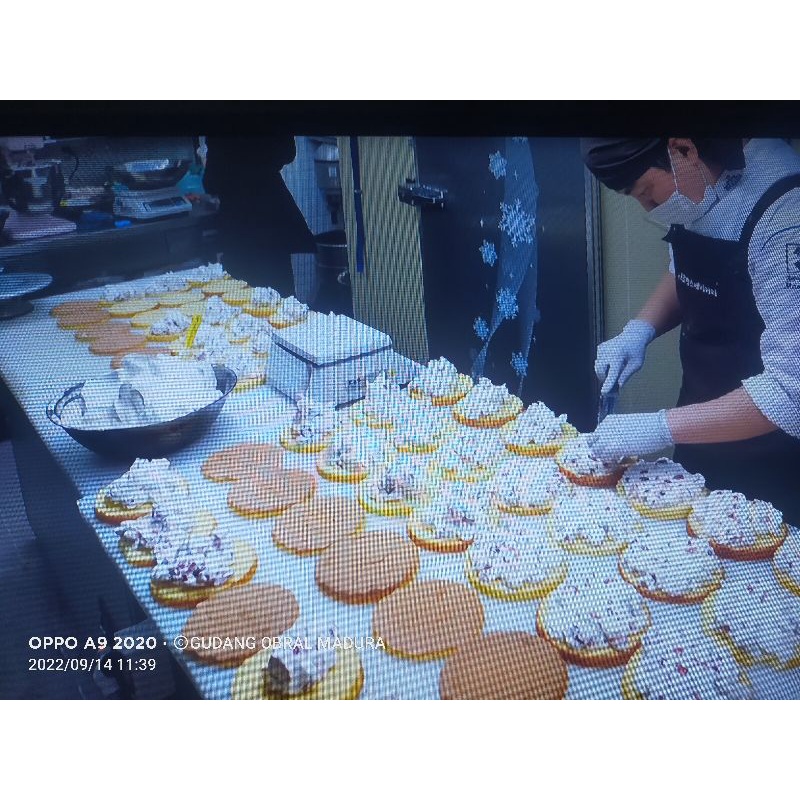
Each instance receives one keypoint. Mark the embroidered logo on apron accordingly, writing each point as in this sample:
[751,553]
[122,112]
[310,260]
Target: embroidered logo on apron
[698,286]
[793,265]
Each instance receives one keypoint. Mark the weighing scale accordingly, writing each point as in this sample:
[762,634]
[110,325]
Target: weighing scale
[15,287]
[148,204]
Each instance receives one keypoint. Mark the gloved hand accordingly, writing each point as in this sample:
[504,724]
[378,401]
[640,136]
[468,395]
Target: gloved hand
[622,435]
[618,358]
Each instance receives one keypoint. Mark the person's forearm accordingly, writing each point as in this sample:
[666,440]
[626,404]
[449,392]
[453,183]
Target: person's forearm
[729,418]
[662,310]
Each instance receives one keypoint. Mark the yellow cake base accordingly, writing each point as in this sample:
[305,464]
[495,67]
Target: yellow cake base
[691,598]
[532,591]
[176,596]
[339,476]
[543,450]
[291,444]
[106,510]
[786,581]
[460,391]
[669,513]
[344,681]
[421,535]
[598,658]
[511,410]
[741,655]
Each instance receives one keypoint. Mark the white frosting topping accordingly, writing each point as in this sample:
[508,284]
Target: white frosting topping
[292,309]
[438,378]
[172,322]
[162,388]
[403,480]
[596,516]
[217,311]
[146,390]
[787,557]
[168,282]
[729,518]
[261,341]
[122,291]
[458,511]
[264,296]
[313,421]
[302,661]
[760,616]
[99,396]
[483,400]
[210,337]
[169,519]
[536,425]
[209,272]
[194,560]
[661,484]
[671,562]
[529,483]
[417,424]
[147,482]
[513,558]
[242,362]
[576,457]
[469,451]
[383,399]
[243,326]
[351,450]
[678,664]
[596,612]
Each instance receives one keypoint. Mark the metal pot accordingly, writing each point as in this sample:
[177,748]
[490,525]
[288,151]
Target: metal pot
[332,249]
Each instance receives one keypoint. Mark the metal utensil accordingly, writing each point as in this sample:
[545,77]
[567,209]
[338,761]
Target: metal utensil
[607,403]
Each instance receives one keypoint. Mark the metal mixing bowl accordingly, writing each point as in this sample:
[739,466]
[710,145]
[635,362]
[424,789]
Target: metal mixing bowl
[146,441]
[160,173]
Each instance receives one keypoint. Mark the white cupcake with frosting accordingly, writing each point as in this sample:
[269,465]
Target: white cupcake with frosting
[527,487]
[597,620]
[593,522]
[440,383]
[662,489]
[487,406]
[757,619]
[682,664]
[537,432]
[738,528]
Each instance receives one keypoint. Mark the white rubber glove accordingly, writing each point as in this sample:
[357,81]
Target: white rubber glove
[618,358]
[622,435]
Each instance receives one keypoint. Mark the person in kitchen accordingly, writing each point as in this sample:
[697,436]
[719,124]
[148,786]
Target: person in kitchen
[259,222]
[733,215]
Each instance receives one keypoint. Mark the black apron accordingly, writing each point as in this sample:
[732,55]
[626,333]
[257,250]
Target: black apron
[720,347]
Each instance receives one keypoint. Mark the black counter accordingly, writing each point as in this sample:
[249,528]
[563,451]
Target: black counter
[85,257]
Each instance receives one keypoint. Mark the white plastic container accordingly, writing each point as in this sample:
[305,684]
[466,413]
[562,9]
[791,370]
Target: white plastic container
[332,357]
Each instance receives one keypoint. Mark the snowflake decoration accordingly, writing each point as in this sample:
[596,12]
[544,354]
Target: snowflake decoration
[497,165]
[507,304]
[481,328]
[488,252]
[516,223]
[520,364]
